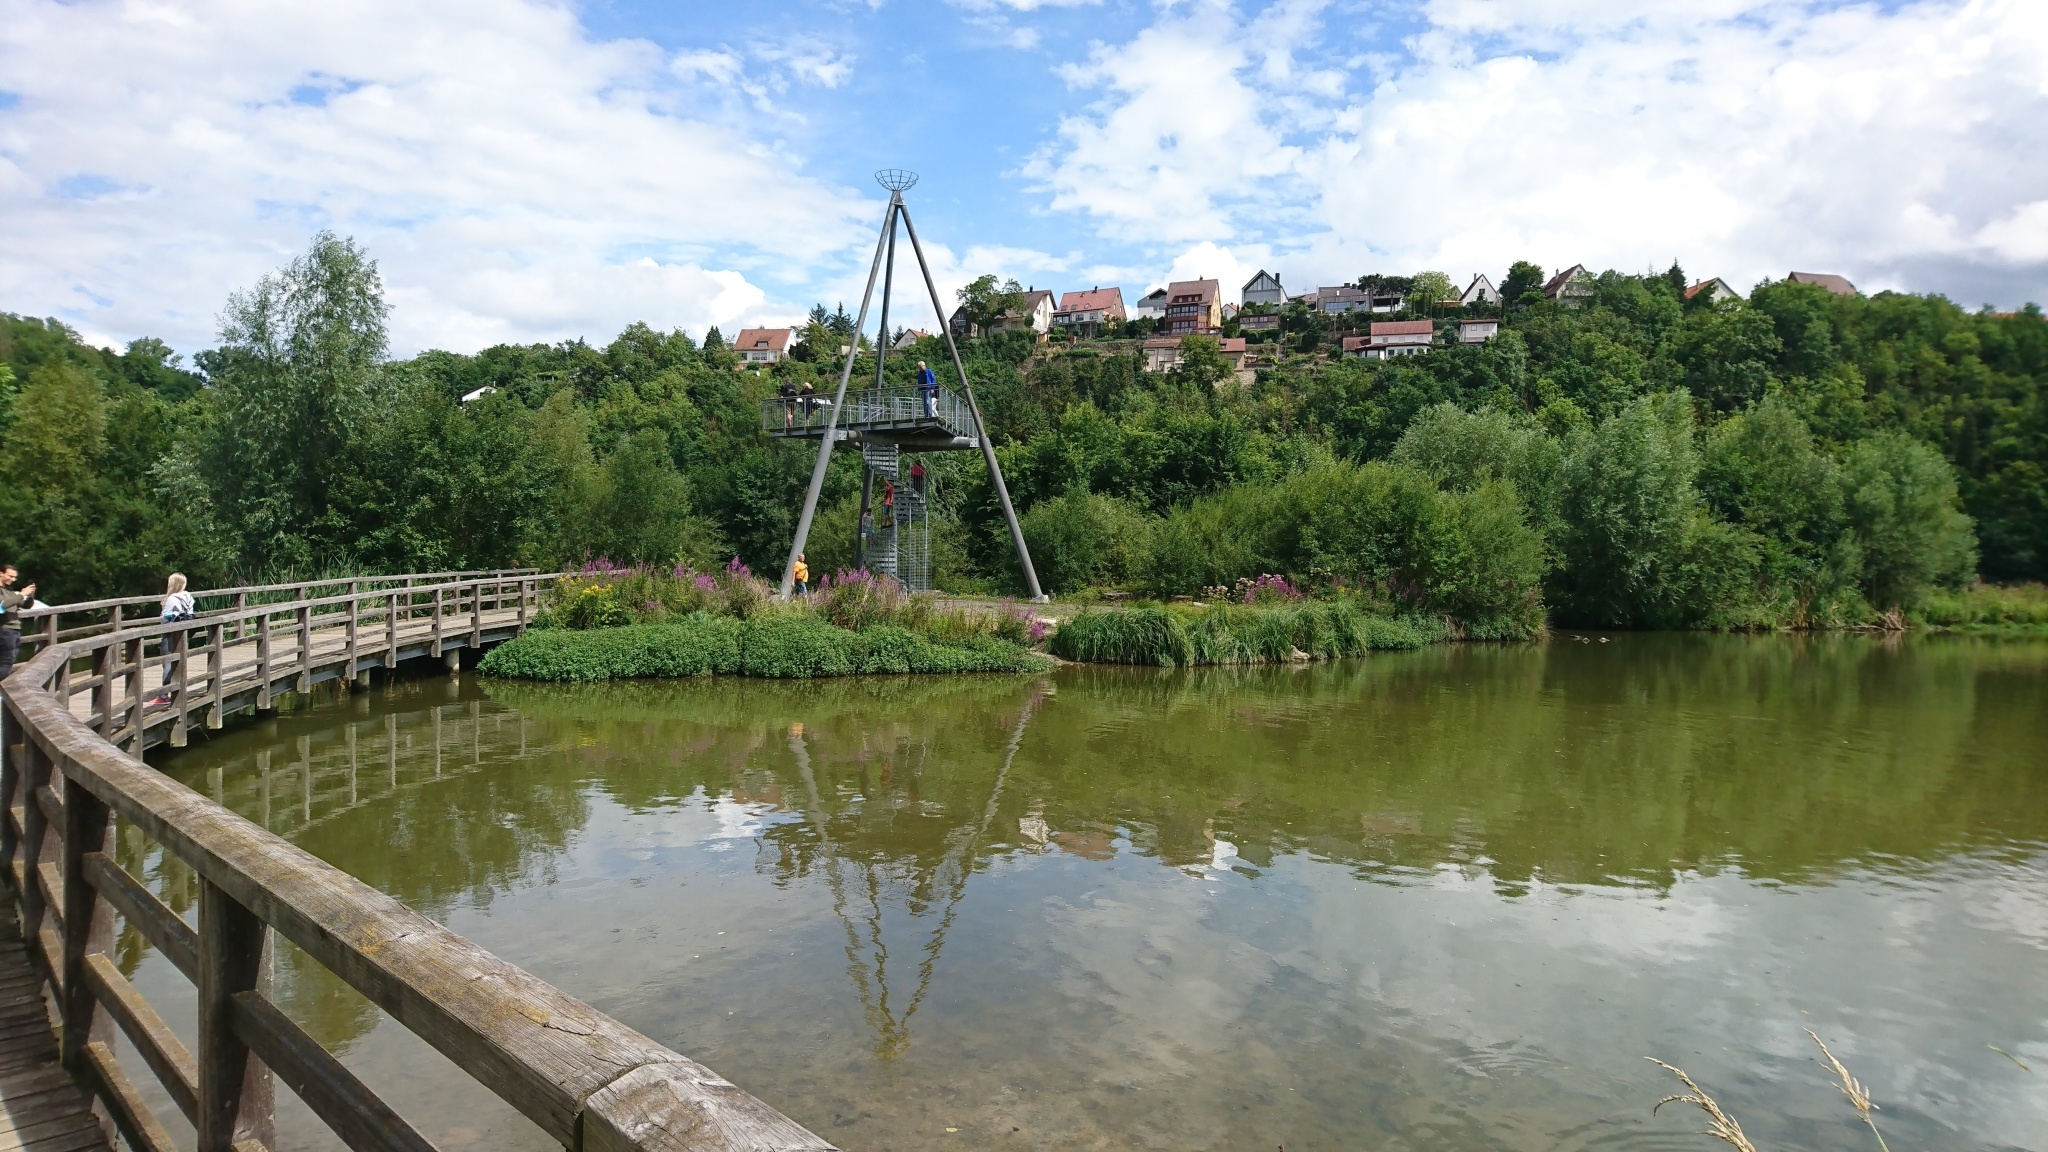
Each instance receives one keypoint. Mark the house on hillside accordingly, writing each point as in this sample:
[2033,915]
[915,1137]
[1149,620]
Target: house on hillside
[763,345]
[1479,291]
[909,339]
[1193,307]
[1571,287]
[1267,319]
[1839,285]
[1088,313]
[1150,306]
[1033,313]
[1264,289]
[1716,290]
[1342,298]
[1162,354]
[1477,331]
[1390,338]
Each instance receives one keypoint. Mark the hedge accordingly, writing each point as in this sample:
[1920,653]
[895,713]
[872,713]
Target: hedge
[776,646]
[1236,634]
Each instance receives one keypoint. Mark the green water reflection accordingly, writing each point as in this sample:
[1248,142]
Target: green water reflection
[1437,899]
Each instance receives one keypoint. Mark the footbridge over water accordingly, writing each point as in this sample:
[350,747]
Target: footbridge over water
[78,716]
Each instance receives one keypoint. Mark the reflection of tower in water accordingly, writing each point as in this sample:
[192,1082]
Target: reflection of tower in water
[858,885]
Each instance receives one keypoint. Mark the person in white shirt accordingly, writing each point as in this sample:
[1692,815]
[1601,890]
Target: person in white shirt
[177,606]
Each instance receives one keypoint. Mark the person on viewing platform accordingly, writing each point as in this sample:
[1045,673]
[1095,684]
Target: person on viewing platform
[788,394]
[803,575]
[177,607]
[917,478]
[928,386]
[809,397]
[11,604]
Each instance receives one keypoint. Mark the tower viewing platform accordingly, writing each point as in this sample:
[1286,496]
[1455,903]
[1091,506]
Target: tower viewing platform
[884,415]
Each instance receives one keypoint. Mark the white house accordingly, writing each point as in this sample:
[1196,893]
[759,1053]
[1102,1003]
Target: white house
[1162,354]
[1479,291]
[1392,338]
[1264,289]
[763,345]
[1089,312]
[1716,289]
[1150,306]
[1477,331]
[477,394]
[1570,287]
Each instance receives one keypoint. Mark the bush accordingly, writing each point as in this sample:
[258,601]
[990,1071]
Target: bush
[1469,555]
[1081,540]
[1147,635]
[1237,634]
[694,646]
[783,644]
[1903,508]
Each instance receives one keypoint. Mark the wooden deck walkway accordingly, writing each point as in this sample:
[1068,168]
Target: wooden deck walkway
[41,1108]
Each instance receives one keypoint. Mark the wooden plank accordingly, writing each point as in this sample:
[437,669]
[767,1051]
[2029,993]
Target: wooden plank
[683,1106]
[364,1122]
[145,913]
[88,922]
[159,1048]
[136,1123]
[235,1099]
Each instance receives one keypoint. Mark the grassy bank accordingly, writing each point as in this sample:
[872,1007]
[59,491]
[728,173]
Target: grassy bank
[792,645]
[2019,609]
[1185,636]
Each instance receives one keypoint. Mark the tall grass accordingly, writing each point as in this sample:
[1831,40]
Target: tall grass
[1986,605]
[1236,634]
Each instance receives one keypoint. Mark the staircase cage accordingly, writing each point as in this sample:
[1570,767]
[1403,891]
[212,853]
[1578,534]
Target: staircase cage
[896,535]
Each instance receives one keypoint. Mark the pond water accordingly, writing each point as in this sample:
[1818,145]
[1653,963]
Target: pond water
[1431,900]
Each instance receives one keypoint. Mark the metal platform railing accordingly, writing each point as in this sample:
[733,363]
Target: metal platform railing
[887,409]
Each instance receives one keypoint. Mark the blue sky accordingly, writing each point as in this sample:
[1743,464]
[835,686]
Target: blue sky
[526,170]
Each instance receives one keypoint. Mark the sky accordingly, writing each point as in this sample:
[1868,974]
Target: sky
[526,171]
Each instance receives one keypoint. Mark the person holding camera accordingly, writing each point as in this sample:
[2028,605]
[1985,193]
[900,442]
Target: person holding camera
[11,604]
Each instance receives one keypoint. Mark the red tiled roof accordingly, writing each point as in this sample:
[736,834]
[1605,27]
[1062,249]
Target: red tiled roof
[1091,300]
[1231,344]
[760,339]
[1354,343]
[1403,328]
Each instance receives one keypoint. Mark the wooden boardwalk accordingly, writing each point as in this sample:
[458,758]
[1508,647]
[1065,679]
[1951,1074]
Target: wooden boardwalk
[41,1108]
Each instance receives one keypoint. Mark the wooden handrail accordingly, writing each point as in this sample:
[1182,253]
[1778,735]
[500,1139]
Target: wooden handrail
[585,1079]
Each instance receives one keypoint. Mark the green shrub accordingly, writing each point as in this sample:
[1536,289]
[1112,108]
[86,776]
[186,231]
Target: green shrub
[798,647]
[1985,605]
[783,644]
[1906,516]
[1148,635]
[692,646]
[1082,540]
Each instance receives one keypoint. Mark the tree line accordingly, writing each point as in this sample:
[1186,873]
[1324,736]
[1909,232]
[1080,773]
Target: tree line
[1794,457]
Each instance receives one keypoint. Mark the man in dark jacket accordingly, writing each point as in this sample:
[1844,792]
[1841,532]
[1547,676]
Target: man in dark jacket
[11,603]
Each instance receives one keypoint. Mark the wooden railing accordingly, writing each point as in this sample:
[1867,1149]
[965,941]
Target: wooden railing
[42,627]
[588,1081]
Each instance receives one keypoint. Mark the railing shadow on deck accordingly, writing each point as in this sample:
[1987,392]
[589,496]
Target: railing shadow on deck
[585,1079]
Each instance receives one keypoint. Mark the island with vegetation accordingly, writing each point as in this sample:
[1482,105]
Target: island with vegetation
[1793,459]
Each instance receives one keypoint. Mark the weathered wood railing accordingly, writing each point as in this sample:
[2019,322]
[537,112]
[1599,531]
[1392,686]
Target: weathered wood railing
[239,657]
[586,1080]
[42,627]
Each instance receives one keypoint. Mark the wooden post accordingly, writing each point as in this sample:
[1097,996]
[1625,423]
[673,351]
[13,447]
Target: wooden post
[138,677]
[50,630]
[439,593]
[391,631]
[236,1099]
[354,617]
[88,923]
[182,646]
[10,785]
[114,619]
[241,619]
[476,614]
[103,663]
[305,645]
[216,673]
[522,605]
[35,765]
[263,658]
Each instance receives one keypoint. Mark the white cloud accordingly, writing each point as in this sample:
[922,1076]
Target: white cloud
[1745,137]
[515,178]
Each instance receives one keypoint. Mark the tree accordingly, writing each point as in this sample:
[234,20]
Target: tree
[1522,285]
[1903,508]
[713,339]
[299,358]
[1432,288]
[986,302]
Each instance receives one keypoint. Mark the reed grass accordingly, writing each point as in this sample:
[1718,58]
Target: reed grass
[1723,1127]
[1237,634]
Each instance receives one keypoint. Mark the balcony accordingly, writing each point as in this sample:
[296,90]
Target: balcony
[891,413]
